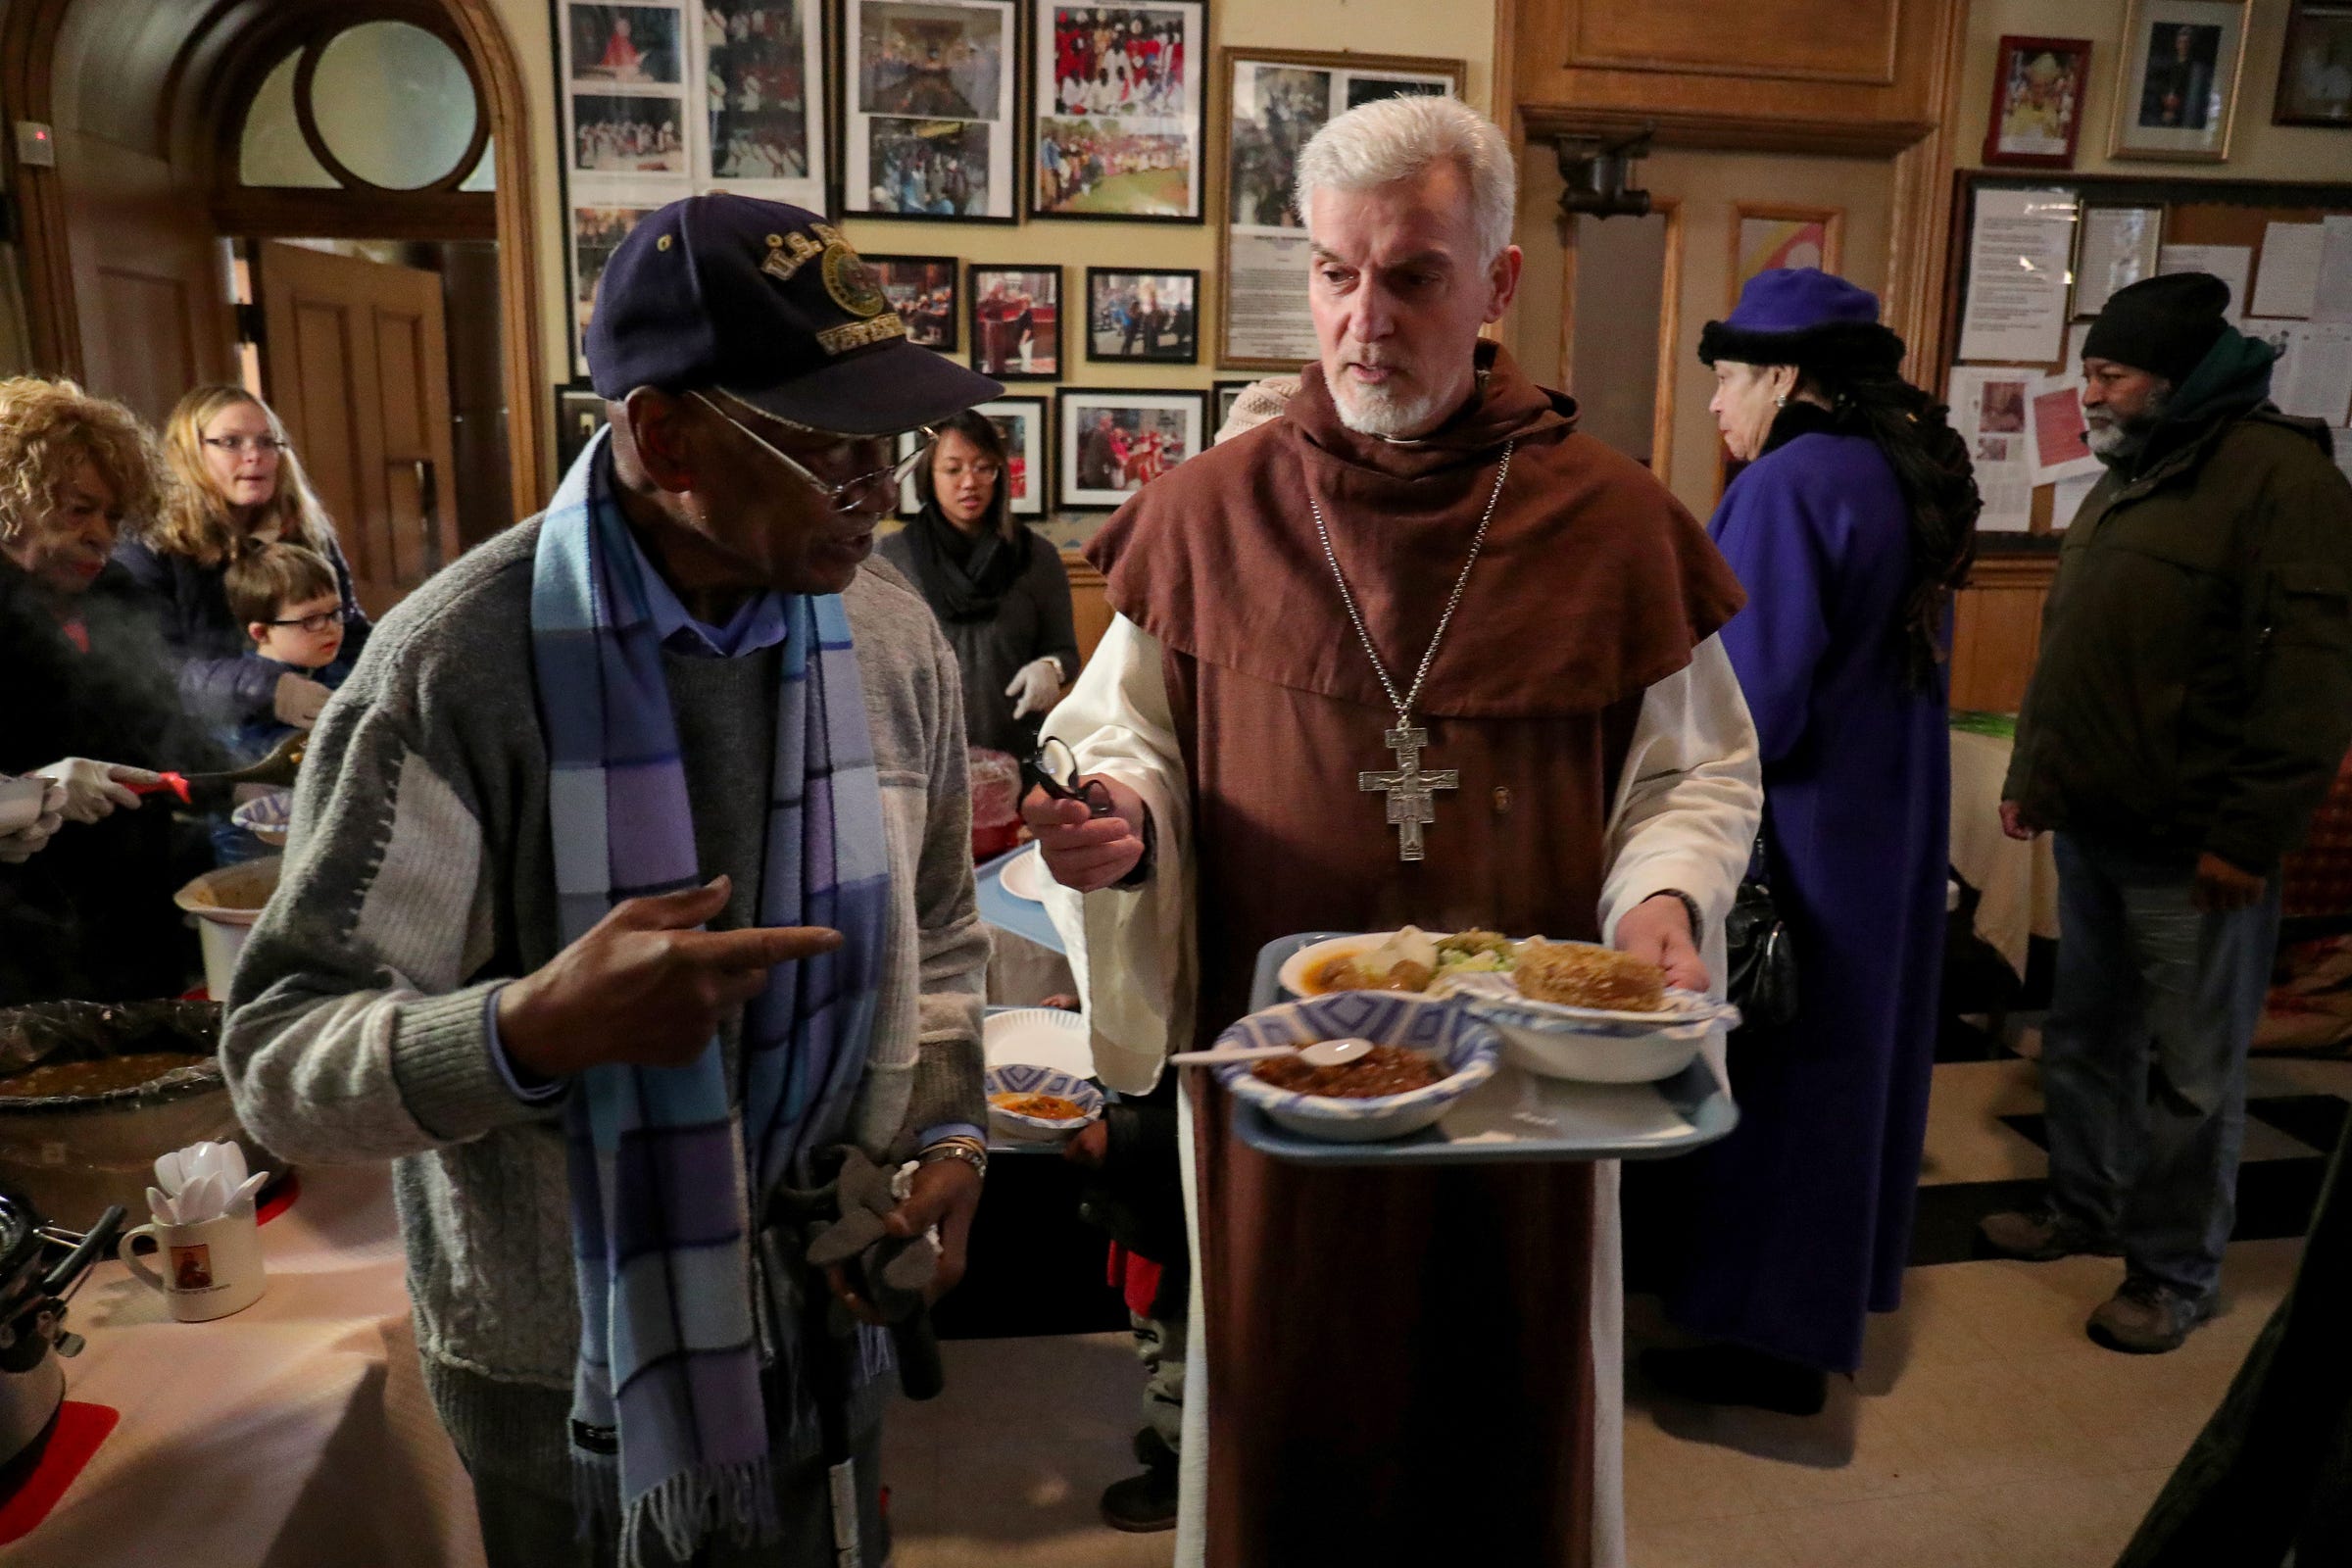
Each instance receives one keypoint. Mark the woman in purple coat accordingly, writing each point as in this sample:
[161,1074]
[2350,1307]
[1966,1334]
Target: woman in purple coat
[1850,526]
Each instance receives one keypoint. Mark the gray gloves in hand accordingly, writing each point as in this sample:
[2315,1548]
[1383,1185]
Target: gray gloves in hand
[298,700]
[19,844]
[93,789]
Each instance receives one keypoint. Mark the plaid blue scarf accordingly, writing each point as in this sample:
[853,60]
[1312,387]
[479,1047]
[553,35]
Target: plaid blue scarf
[666,1169]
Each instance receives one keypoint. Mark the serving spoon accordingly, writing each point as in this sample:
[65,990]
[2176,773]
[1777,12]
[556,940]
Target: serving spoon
[1322,1053]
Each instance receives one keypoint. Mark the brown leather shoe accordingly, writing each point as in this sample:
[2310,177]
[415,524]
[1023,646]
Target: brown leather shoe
[2040,1235]
[2146,1318]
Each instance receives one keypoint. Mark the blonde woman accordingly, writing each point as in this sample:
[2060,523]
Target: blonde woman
[234,484]
[88,706]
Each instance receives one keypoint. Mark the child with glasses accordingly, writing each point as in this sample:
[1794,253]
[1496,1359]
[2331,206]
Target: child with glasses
[290,602]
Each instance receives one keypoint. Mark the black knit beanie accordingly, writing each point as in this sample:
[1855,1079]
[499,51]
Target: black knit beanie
[2161,325]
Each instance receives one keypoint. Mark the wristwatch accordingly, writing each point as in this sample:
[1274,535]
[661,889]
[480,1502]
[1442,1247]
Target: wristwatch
[971,1152]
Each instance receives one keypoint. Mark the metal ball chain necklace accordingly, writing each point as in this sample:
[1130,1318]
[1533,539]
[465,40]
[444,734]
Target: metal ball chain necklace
[1412,804]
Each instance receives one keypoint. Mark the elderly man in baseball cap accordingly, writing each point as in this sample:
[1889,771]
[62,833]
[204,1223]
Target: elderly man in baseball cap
[630,901]
[2190,709]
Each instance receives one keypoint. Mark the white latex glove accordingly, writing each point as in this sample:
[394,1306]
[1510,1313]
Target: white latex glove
[21,844]
[298,700]
[95,790]
[1036,689]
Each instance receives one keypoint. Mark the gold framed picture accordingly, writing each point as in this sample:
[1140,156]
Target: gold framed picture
[1769,235]
[2177,95]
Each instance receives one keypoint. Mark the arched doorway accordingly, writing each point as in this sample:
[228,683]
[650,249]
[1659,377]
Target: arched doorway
[130,241]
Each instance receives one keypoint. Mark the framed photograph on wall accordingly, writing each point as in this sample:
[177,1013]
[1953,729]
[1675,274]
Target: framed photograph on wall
[927,121]
[1275,101]
[1115,440]
[1021,421]
[2039,86]
[2315,70]
[2177,94]
[2115,247]
[1142,316]
[922,290]
[579,414]
[1016,321]
[1222,395]
[1765,236]
[1117,111]
[657,101]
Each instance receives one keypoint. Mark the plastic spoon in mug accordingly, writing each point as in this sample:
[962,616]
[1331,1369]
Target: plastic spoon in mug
[244,1194]
[1322,1053]
[159,1205]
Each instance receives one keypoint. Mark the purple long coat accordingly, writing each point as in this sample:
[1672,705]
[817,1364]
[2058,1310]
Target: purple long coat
[1803,1215]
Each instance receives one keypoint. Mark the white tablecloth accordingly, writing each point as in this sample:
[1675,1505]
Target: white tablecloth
[2019,881]
[295,1434]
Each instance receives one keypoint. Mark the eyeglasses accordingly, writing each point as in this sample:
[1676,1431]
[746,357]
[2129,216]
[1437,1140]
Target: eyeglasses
[1053,769]
[313,624]
[879,489]
[268,446]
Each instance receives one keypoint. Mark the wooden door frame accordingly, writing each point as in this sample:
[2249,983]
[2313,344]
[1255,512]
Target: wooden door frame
[28,38]
[1670,330]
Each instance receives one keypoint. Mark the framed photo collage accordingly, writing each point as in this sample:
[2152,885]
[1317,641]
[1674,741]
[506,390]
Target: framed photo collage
[990,113]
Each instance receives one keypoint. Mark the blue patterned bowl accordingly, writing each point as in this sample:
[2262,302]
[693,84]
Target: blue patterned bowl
[1019,1078]
[267,816]
[1592,1045]
[1465,1045]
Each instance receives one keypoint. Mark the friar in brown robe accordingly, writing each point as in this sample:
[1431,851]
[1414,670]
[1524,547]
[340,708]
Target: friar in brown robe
[1404,1366]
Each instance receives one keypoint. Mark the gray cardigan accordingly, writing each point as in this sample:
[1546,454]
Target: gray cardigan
[420,874]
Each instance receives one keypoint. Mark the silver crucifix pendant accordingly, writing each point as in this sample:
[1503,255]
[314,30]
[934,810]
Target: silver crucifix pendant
[1411,806]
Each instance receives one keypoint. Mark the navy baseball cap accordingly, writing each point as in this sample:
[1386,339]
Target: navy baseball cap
[770,303]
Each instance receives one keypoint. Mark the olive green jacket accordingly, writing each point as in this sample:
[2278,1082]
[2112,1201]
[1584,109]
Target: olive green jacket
[2195,687]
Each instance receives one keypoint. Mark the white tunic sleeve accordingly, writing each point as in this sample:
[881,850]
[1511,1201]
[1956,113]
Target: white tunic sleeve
[1131,950]
[1689,800]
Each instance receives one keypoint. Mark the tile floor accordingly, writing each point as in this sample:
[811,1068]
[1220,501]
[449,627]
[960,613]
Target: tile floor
[1984,1432]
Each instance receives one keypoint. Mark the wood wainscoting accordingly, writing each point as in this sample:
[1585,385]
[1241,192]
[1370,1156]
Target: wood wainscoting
[1996,631]
[1090,603]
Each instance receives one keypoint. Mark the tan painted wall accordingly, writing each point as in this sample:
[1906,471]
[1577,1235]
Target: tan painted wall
[1461,29]
[2258,149]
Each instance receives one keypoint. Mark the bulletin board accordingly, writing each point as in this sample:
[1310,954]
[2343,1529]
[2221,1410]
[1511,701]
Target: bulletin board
[2122,227]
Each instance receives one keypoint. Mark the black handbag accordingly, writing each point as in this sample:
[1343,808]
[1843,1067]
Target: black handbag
[1763,960]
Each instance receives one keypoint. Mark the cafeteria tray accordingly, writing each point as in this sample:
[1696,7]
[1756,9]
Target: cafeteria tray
[1005,912]
[1515,1116]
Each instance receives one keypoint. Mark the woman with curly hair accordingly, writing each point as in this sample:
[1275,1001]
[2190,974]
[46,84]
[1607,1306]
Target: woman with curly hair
[1850,526]
[233,483]
[87,704]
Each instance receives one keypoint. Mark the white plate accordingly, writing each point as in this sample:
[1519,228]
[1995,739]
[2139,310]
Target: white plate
[1298,965]
[1039,1037]
[1024,876]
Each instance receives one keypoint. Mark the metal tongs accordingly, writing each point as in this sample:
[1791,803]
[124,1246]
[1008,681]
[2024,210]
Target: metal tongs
[210,791]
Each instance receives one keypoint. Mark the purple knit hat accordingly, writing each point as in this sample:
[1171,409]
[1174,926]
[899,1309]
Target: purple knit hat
[1804,316]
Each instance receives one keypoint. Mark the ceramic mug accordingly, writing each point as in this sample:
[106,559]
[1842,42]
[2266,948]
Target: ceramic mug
[210,1269]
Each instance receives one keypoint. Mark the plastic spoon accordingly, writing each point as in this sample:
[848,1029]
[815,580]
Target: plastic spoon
[200,1201]
[1322,1053]
[169,1174]
[159,1206]
[245,1191]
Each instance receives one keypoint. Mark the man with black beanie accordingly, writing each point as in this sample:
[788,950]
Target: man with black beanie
[2189,708]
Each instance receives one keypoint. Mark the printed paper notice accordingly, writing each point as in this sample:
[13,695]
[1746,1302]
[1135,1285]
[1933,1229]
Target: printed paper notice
[2018,260]
[2232,264]
[1265,296]
[2313,374]
[1988,413]
[2331,296]
[2287,282]
[2066,500]
[2061,445]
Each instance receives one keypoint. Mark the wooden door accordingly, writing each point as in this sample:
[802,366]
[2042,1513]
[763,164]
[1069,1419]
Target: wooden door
[355,357]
